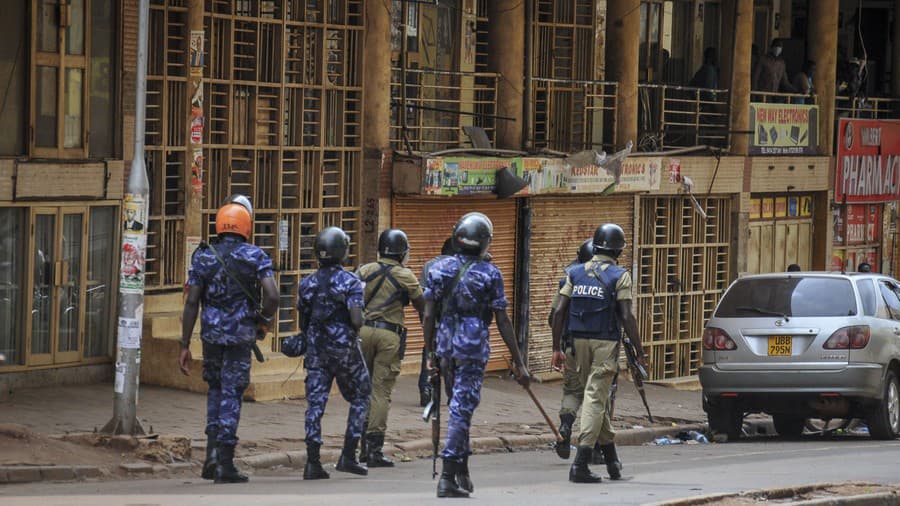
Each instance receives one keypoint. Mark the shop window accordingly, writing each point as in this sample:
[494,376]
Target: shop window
[98,294]
[72,64]
[12,283]
[857,236]
[13,69]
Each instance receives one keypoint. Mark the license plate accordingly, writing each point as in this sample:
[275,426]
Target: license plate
[780,346]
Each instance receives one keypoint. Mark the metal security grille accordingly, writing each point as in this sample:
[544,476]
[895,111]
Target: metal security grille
[166,142]
[568,104]
[283,89]
[683,268]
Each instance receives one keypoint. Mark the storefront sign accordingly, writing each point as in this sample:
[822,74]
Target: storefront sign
[784,129]
[868,165]
[470,176]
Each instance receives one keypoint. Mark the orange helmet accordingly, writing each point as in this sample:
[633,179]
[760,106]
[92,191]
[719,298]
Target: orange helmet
[234,219]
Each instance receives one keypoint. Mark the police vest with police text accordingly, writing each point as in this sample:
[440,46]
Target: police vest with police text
[592,310]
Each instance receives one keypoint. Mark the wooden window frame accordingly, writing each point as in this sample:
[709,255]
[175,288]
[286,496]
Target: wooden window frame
[61,62]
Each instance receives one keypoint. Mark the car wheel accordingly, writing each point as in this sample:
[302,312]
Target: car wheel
[884,421]
[725,420]
[789,425]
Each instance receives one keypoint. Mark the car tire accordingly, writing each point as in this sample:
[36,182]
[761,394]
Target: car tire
[725,419]
[884,420]
[789,425]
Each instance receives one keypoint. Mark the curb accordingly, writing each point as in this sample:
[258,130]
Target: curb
[788,493]
[30,474]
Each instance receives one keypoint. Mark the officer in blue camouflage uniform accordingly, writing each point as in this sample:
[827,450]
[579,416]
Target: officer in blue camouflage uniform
[330,304]
[573,388]
[229,325]
[467,292]
[595,302]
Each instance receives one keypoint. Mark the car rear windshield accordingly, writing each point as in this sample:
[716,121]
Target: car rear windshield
[788,296]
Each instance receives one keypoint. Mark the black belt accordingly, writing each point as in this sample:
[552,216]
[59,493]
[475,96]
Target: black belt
[378,324]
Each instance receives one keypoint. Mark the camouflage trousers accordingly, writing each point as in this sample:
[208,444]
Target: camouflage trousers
[226,369]
[468,376]
[346,365]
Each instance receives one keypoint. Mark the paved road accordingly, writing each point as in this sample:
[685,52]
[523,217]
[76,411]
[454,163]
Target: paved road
[657,473]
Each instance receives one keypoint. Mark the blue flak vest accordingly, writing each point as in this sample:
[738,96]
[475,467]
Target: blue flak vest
[592,310]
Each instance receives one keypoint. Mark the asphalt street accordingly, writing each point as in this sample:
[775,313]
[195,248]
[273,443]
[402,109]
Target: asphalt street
[653,473]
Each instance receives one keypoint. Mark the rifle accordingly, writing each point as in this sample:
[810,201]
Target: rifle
[638,373]
[433,412]
[515,371]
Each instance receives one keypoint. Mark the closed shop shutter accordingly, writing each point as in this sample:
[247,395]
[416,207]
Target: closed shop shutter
[558,227]
[428,222]
[781,232]
[683,265]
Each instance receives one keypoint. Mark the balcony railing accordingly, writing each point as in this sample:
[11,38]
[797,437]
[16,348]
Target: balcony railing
[867,108]
[437,104]
[766,97]
[681,116]
[573,115]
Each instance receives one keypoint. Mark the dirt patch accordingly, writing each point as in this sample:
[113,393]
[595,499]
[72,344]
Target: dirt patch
[24,447]
[790,495]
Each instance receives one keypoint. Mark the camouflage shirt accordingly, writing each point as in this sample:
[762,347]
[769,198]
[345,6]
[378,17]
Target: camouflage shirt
[228,316]
[325,298]
[462,331]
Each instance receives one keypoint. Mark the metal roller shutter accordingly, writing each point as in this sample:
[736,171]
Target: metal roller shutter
[558,226]
[428,222]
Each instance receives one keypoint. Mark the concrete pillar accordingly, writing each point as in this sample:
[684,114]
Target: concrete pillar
[506,40]
[895,52]
[737,39]
[822,44]
[376,125]
[195,174]
[623,26]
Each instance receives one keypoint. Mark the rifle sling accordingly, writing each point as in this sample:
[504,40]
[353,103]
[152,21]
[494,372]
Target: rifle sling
[234,278]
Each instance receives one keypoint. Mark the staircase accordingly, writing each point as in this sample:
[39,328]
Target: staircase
[279,377]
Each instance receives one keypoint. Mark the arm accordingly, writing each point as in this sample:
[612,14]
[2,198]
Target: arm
[786,83]
[188,320]
[558,362]
[419,304]
[356,318]
[428,326]
[509,337]
[269,306]
[631,328]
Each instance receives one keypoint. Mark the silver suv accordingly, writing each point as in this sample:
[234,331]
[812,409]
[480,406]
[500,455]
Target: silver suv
[804,345]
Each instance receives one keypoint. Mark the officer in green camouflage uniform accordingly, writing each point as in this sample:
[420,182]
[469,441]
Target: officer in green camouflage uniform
[389,287]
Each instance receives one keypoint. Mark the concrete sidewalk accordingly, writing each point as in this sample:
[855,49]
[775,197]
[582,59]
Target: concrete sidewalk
[505,410]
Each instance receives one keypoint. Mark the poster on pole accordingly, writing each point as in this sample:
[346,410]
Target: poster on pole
[784,129]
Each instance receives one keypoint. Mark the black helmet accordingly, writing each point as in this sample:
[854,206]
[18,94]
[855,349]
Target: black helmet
[392,243]
[472,234]
[332,246]
[585,251]
[447,247]
[609,238]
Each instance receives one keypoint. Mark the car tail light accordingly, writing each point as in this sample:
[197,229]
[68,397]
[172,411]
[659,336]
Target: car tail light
[717,339]
[853,338]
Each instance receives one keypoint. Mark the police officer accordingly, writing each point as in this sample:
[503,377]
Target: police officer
[222,278]
[596,300]
[424,385]
[330,304]
[389,286]
[467,291]
[573,388]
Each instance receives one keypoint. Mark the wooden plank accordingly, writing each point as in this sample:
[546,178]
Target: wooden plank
[753,248]
[47,181]
[766,242]
[779,248]
[804,244]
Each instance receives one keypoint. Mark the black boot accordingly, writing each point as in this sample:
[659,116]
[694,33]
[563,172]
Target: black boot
[348,463]
[462,476]
[424,396]
[564,448]
[580,472]
[313,469]
[212,454]
[447,486]
[363,441]
[597,457]
[375,457]
[613,465]
[225,470]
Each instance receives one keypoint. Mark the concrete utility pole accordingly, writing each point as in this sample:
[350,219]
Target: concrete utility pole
[134,256]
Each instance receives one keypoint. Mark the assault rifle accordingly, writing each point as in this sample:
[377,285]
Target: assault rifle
[433,413]
[638,373]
